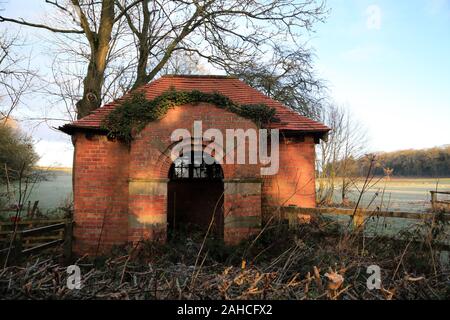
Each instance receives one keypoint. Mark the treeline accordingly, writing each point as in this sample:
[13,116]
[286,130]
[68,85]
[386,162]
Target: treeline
[434,162]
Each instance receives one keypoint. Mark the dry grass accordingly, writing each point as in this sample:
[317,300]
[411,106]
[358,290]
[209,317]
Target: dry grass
[315,261]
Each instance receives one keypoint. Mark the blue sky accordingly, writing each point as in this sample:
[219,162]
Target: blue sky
[388,61]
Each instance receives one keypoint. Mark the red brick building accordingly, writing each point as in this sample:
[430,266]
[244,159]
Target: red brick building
[126,192]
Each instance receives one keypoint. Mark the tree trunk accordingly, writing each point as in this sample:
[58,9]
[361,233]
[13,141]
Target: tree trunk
[142,65]
[143,76]
[144,47]
[99,43]
[92,90]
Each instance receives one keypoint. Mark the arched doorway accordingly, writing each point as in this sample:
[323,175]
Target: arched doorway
[195,195]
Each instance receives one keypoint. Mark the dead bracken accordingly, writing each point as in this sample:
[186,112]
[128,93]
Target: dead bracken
[315,261]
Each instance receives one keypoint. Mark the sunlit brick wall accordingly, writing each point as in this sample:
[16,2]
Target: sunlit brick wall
[100,193]
[295,182]
[120,191]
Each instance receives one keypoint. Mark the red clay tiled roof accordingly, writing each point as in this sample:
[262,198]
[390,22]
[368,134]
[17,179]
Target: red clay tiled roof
[231,87]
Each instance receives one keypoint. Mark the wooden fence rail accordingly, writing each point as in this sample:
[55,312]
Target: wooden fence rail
[35,239]
[438,204]
[294,214]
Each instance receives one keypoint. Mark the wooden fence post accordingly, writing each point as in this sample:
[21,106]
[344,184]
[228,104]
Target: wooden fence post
[18,246]
[433,200]
[358,219]
[68,233]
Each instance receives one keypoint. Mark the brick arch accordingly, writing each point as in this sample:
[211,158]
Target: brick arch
[194,201]
[164,161]
[150,150]
[150,164]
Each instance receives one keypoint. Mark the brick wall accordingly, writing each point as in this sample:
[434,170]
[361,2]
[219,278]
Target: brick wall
[120,192]
[295,182]
[100,193]
[242,209]
[150,163]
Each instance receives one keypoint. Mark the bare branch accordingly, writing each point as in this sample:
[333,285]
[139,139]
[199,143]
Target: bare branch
[39,26]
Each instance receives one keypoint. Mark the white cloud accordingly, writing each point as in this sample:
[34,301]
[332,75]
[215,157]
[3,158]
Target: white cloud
[54,153]
[374,15]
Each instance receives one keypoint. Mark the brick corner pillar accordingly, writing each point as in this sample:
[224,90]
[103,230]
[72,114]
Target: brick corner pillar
[100,183]
[242,209]
[147,209]
[294,185]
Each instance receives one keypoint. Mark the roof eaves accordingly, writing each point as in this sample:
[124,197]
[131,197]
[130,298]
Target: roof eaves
[70,129]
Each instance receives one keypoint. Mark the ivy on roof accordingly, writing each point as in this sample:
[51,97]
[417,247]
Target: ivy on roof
[135,112]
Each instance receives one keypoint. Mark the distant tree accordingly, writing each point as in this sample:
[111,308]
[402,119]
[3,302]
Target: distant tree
[338,166]
[17,79]
[433,162]
[17,155]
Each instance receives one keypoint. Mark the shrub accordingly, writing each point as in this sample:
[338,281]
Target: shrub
[16,153]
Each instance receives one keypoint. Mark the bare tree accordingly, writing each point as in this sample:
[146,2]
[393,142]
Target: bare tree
[287,77]
[16,76]
[223,32]
[338,154]
[94,20]
[184,63]
[71,56]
